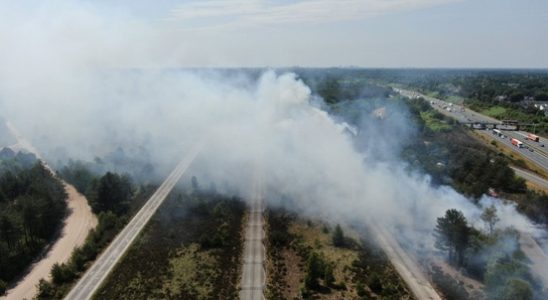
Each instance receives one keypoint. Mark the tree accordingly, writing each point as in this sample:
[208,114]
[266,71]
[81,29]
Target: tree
[517,289]
[61,273]
[328,277]
[338,238]
[452,234]
[330,90]
[3,287]
[489,216]
[503,271]
[45,290]
[314,268]
[7,229]
[112,193]
[195,185]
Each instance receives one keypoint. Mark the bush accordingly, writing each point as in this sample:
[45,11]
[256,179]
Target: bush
[3,287]
[338,237]
[62,273]
[45,290]
[360,289]
[517,289]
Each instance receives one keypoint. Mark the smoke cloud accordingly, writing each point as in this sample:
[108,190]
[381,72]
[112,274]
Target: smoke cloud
[66,83]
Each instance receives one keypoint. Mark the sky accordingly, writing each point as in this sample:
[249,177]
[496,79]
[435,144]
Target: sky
[310,33]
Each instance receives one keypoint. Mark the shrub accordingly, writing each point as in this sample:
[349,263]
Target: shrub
[3,287]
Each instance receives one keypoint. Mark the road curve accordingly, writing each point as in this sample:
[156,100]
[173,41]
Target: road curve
[76,226]
[96,274]
[253,271]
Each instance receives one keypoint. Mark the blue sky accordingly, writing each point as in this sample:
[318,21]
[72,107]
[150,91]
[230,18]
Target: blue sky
[367,33]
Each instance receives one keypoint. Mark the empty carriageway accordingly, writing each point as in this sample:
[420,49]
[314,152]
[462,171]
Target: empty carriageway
[96,274]
[253,272]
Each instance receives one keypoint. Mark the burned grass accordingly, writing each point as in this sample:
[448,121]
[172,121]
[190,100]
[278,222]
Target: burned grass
[189,250]
[303,262]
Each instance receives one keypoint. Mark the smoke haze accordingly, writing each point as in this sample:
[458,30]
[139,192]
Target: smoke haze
[72,92]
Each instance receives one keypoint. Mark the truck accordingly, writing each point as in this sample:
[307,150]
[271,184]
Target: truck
[533,137]
[497,132]
[517,143]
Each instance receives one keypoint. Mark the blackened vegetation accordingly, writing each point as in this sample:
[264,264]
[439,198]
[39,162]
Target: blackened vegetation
[189,250]
[32,208]
[278,240]
[332,266]
[376,277]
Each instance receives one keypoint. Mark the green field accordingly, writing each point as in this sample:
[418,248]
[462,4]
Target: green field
[494,111]
[433,123]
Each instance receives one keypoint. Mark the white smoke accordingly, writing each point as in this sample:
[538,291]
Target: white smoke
[61,84]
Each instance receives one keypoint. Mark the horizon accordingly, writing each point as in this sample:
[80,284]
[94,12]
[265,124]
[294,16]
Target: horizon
[446,34]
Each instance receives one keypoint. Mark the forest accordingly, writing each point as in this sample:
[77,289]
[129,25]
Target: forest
[32,208]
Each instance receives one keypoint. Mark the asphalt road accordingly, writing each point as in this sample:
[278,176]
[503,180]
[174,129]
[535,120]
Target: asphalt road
[253,271]
[539,181]
[96,274]
[538,156]
[534,156]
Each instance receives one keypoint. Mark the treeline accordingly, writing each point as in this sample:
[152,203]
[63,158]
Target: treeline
[505,95]
[337,85]
[113,198]
[32,207]
[482,85]
[491,256]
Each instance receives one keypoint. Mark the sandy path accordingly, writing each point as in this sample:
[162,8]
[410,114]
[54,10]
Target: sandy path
[75,230]
[76,226]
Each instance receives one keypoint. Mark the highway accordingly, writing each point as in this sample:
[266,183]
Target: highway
[253,272]
[96,274]
[538,156]
[534,156]
[535,179]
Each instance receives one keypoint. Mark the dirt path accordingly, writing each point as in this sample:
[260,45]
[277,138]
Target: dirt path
[76,226]
[75,229]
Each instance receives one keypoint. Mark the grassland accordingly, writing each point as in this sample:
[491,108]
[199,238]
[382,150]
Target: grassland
[433,122]
[494,111]
[359,270]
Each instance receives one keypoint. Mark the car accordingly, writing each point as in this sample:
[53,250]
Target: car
[531,149]
[542,145]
